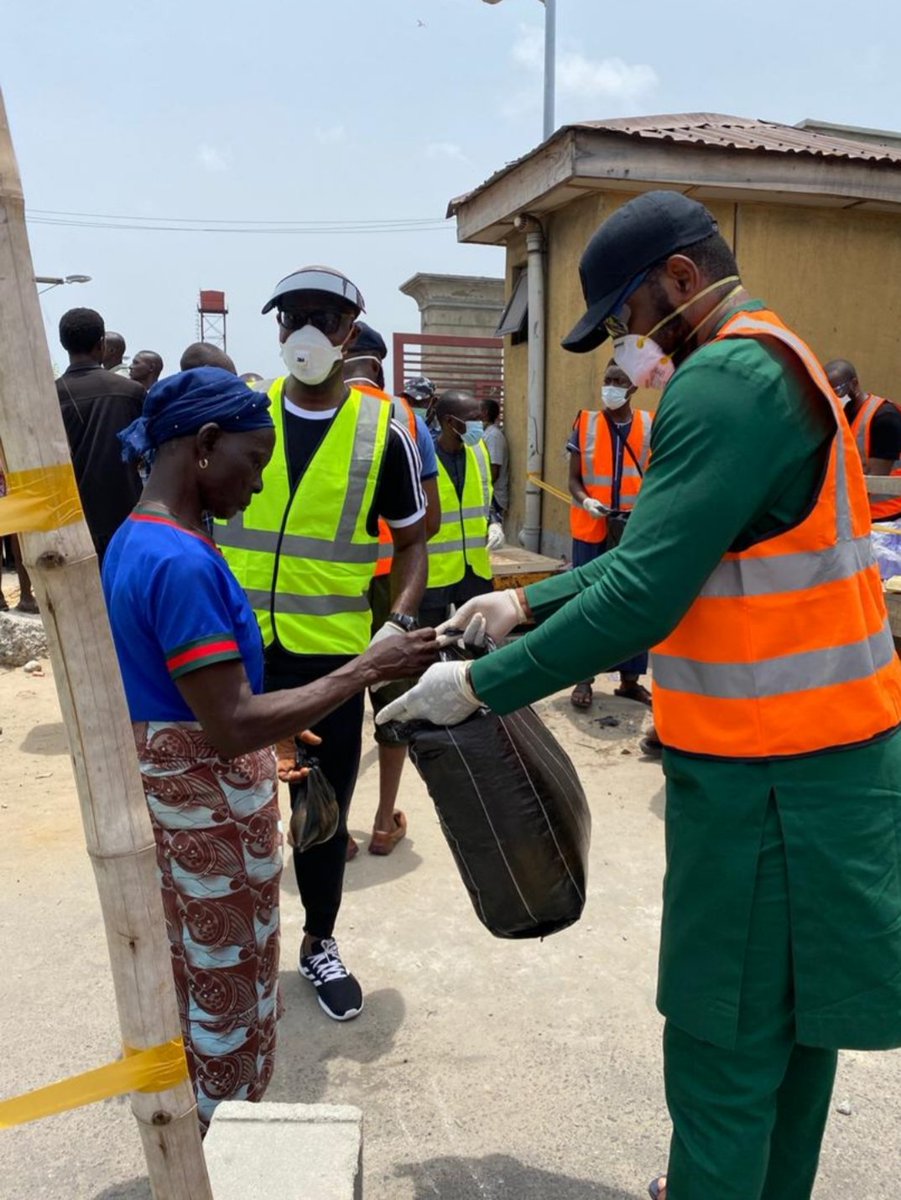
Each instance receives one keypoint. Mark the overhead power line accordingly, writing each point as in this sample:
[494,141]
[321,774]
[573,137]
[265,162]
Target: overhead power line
[83,220]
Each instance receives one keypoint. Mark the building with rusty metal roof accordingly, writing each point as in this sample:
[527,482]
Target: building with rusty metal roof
[813,212]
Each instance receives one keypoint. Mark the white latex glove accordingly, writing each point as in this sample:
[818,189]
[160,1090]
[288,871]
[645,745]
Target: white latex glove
[443,697]
[502,612]
[496,537]
[389,629]
[594,508]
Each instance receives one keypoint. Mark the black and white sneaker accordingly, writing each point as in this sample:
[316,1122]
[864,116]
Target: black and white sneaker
[339,994]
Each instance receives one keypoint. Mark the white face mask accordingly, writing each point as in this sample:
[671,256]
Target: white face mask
[473,434]
[643,360]
[310,356]
[614,397]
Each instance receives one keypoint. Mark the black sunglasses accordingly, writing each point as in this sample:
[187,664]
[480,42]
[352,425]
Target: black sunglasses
[327,320]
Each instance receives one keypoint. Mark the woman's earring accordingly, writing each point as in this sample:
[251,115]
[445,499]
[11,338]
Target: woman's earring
[203,464]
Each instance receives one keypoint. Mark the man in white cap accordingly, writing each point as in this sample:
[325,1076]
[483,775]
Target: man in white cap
[306,550]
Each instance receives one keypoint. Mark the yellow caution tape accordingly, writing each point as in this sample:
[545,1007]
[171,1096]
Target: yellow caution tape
[154,1070]
[39,500]
[547,487]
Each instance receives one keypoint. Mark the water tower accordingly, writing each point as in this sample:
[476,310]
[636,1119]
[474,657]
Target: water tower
[212,312]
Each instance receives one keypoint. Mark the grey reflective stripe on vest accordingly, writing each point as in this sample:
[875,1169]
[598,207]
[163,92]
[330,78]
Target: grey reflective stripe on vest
[630,471]
[789,572]
[450,547]
[235,535]
[360,464]
[776,676]
[842,497]
[864,417]
[484,465]
[305,606]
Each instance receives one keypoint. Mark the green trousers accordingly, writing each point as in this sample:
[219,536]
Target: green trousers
[748,1122]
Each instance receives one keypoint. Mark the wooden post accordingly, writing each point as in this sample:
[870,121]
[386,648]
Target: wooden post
[117,828]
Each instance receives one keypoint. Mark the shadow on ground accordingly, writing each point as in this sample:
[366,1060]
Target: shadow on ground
[595,725]
[502,1178]
[135,1189]
[46,739]
[657,803]
[306,1061]
[370,870]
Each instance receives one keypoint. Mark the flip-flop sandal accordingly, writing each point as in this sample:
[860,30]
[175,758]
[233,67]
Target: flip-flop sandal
[655,1185]
[651,745]
[382,843]
[633,691]
[581,696]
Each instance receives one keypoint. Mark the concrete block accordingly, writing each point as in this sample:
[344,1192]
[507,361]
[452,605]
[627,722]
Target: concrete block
[289,1151]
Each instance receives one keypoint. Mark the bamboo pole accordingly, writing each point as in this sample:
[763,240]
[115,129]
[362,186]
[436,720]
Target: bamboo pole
[117,828]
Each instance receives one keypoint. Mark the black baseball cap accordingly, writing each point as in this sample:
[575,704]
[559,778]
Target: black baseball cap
[368,342]
[638,235]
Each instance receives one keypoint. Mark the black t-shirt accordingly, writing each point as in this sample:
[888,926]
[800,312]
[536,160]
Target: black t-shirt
[398,496]
[96,405]
[885,433]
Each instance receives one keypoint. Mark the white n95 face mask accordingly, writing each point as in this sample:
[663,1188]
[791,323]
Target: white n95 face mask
[309,355]
[643,361]
[614,397]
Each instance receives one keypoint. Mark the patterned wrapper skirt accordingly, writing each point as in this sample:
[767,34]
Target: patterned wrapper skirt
[219,850]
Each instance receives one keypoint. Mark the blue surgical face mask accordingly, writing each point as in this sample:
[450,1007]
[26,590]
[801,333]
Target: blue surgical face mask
[474,432]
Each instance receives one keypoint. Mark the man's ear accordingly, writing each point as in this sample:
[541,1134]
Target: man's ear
[684,273]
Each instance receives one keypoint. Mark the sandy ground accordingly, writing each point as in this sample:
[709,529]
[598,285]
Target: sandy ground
[486,1070]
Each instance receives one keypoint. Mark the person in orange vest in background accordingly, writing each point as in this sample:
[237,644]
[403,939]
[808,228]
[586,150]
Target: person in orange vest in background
[608,455]
[364,370]
[876,425]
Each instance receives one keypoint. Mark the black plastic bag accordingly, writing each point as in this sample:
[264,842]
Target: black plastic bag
[314,808]
[515,817]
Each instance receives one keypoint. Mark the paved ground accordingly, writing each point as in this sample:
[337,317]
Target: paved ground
[486,1070]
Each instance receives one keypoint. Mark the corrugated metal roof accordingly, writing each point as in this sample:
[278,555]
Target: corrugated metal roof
[716,132]
[723,132]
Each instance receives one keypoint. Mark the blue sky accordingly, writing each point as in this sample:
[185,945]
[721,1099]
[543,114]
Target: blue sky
[371,110]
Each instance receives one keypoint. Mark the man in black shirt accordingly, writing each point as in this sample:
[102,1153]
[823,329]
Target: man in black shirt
[96,405]
[337,451]
[876,425]
[146,368]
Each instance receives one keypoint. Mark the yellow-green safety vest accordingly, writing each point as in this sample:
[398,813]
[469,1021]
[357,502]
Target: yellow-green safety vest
[461,540]
[304,556]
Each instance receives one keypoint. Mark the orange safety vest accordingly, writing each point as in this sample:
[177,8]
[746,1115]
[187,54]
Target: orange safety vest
[882,508]
[597,453]
[787,650]
[386,542]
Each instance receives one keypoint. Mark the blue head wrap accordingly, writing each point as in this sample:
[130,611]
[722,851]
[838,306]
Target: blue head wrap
[181,404]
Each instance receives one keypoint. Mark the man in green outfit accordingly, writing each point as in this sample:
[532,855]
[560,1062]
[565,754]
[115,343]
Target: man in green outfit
[777,695]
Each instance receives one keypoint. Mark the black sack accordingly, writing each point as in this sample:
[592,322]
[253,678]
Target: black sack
[314,807]
[515,817]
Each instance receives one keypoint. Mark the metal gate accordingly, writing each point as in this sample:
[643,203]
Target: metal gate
[472,363]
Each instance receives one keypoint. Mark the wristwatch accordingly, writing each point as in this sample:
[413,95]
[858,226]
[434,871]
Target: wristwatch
[404,621]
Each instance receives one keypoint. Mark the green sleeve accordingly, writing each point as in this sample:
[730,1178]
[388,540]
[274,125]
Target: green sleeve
[737,447]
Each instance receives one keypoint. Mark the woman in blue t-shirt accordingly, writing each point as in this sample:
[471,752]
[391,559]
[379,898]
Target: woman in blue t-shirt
[191,657]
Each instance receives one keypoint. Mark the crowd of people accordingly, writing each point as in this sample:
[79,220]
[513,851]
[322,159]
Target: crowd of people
[272,548]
